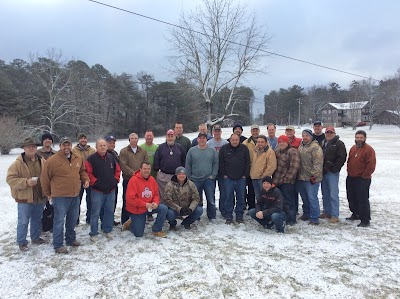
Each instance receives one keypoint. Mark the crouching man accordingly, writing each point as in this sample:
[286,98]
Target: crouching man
[182,198]
[269,209]
[142,197]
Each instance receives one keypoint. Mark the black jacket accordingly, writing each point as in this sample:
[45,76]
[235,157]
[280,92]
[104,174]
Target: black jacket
[234,162]
[271,201]
[167,163]
[334,155]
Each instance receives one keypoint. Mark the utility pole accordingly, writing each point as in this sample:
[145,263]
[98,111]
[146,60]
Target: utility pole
[299,113]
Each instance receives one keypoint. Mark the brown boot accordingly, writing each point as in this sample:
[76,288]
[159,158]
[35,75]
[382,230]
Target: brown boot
[324,215]
[160,234]
[334,220]
[126,225]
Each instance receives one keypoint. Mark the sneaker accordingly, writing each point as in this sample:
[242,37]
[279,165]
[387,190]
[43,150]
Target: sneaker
[23,247]
[39,241]
[75,243]
[353,217]
[313,223]
[173,228]
[304,218]
[324,216]
[160,234]
[363,224]
[239,221]
[334,220]
[229,221]
[116,223]
[93,239]
[61,249]
[126,225]
[109,236]
[150,218]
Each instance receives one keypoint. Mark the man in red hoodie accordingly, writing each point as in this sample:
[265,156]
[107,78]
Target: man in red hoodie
[142,197]
[360,166]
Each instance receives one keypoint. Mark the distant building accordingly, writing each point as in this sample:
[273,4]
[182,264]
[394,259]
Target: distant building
[387,117]
[345,114]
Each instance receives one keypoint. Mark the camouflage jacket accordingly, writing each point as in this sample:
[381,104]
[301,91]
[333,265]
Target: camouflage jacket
[311,161]
[177,196]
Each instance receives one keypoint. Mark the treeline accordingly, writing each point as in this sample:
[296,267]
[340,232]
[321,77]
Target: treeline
[282,106]
[68,97]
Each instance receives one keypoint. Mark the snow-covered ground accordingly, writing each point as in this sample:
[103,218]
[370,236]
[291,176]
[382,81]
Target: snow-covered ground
[221,261]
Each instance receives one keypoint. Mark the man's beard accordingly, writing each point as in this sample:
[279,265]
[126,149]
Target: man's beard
[359,143]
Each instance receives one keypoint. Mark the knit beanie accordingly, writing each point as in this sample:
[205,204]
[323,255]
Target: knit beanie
[267,179]
[283,138]
[47,136]
[308,131]
[237,126]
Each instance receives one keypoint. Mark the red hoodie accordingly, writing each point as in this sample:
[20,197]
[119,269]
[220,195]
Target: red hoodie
[141,191]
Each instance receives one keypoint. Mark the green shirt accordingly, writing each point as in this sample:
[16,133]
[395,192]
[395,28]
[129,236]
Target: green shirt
[151,150]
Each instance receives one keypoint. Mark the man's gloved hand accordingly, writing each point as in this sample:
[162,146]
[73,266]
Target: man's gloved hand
[312,180]
[185,211]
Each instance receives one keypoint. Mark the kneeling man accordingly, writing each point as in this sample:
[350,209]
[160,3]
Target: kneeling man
[182,198]
[269,209]
[142,197]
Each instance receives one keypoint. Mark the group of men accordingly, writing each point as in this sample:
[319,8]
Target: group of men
[263,173]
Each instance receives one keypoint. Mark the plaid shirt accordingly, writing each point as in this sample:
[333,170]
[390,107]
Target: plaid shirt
[288,165]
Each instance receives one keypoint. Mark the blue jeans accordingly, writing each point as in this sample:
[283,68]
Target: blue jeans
[65,208]
[288,195]
[26,212]
[276,218]
[330,194]
[208,185]
[196,214]
[309,195]
[139,221]
[222,194]
[102,202]
[88,203]
[232,186]
[257,185]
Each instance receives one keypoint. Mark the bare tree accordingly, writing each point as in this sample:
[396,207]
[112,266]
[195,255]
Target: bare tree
[218,44]
[54,77]
[12,133]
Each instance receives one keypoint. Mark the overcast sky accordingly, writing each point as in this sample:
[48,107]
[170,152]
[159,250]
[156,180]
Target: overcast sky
[361,37]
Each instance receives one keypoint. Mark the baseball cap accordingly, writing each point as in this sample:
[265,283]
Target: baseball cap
[317,123]
[255,127]
[111,137]
[170,132]
[65,140]
[202,134]
[330,128]
[290,128]
[216,128]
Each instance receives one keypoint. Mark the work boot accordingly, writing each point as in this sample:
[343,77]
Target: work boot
[23,247]
[304,218]
[39,241]
[363,224]
[61,249]
[324,215]
[228,221]
[75,243]
[239,221]
[93,239]
[109,236]
[173,228]
[334,220]
[160,234]
[353,217]
[313,223]
[126,225]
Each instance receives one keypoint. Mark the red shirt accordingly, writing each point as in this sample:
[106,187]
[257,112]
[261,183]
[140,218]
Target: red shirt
[361,161]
